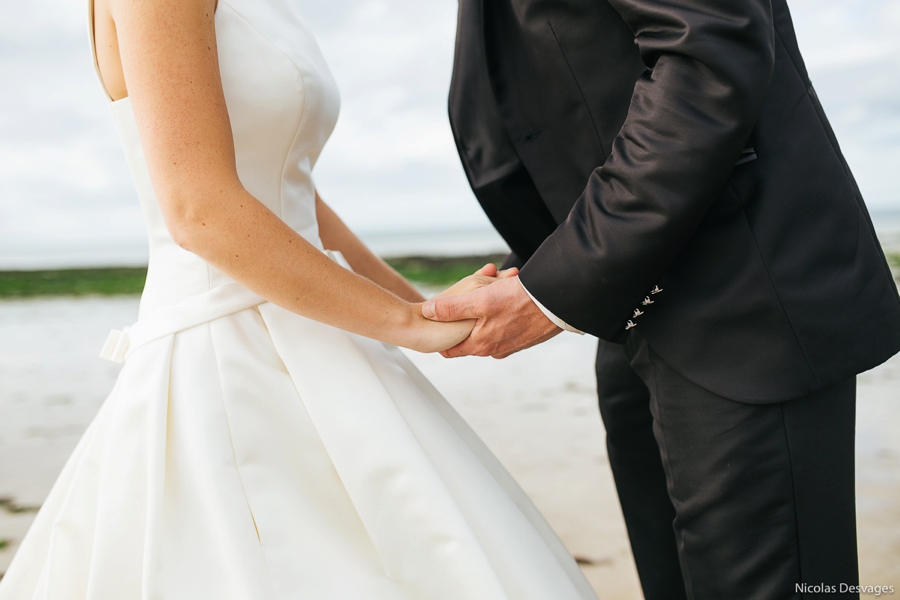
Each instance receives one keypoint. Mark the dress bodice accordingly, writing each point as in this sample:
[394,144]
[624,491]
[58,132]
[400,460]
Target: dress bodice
[283,104]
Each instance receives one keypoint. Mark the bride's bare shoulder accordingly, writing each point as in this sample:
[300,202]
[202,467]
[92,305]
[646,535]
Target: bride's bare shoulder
[107,19]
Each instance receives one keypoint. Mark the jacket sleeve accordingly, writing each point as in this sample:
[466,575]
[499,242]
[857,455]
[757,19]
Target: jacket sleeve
[709,65]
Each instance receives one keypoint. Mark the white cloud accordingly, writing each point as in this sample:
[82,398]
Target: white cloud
[391,163]
[838,33]
[853,55]
[63,179]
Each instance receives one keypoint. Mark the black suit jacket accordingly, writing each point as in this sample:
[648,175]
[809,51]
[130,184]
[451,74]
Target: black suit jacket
[618,145]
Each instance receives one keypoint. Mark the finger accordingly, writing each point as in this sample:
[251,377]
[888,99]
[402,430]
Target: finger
[449,308]
[464,348]
[514,346]
[479,343]
[511,272]
[452,353]
[488,270]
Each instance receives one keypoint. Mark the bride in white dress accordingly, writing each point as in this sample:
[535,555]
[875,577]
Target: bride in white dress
[265,440]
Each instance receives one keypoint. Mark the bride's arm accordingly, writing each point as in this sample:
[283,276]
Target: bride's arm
[337,236]
[169,58]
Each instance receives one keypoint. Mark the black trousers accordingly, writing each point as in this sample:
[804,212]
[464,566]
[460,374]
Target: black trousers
[727,500]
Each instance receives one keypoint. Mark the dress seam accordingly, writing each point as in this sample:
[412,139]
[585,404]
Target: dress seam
[300,76]
[153,542]
[89,580]
[325,447]
[231,438]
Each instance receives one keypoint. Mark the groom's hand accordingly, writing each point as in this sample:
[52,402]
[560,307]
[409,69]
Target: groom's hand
[508,320]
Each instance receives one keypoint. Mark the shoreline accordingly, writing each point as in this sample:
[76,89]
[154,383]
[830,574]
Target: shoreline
[421,269]
[129,281]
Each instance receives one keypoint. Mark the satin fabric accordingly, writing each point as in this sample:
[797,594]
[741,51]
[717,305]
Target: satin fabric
[248,452]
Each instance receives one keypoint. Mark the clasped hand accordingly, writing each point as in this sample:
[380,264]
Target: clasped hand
[507,320]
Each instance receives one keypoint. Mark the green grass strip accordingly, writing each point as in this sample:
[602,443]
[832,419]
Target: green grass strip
[72,282]
[445,271]
[129,281]
[423,270]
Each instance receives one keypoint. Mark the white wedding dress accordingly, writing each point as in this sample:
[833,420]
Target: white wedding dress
[249,453]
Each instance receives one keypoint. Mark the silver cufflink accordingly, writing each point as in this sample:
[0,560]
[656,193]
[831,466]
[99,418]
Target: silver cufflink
[655,290]
[647,301]
[637,313]
[630,325]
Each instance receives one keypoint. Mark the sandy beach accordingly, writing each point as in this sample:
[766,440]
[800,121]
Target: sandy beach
[536,410]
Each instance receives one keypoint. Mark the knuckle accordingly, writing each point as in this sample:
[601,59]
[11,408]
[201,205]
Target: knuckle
[442,309]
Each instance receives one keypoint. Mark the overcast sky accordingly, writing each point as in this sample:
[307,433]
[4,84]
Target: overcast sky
[391,164]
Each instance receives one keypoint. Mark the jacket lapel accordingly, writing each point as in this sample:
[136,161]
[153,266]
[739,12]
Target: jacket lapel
[539,102]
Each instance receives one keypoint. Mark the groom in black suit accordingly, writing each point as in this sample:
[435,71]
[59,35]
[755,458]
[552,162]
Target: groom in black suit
[667,180]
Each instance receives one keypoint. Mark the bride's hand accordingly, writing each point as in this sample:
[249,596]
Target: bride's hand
[425,335]
[486,275]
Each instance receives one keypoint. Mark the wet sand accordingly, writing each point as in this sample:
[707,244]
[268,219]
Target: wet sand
[536,410]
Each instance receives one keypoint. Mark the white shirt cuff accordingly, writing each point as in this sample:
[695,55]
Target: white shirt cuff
[553,318]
